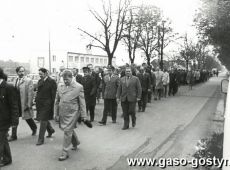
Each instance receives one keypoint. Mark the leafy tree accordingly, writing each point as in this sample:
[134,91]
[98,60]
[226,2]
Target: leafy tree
[213,23]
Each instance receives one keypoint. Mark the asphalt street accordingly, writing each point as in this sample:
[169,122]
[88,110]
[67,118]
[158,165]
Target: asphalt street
[170,128]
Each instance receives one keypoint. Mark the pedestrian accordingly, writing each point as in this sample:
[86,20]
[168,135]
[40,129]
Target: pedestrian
[77,76]
[165,80]
[8,117]
[129,92]
[25,94]
[159,83]
[190,79]
[69,106]
[45,98]
[90,91]
[109,90]
[145,81]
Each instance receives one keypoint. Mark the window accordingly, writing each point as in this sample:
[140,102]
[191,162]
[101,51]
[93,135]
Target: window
[92,60]
[76,58]
[70,58]
[105,61]
[87,59]
[82,59]
[97,60]
[101,60]
[54,57]
[54,70]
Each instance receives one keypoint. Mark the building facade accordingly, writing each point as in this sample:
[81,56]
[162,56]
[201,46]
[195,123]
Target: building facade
[71,60]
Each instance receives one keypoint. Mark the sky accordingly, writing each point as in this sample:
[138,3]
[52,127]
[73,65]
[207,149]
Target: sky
[27,25]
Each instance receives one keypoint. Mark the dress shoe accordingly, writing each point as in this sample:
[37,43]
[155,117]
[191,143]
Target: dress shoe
[4,163]
[40,142]
[12,139]
[88,123]
[124,128]
[133,124]
[102,123]
[63,157]
[50,134]
[34,132]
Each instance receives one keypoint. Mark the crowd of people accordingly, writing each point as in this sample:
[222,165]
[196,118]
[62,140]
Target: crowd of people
[70,98]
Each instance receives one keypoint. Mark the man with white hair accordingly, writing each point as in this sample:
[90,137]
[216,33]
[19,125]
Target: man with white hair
[69,106]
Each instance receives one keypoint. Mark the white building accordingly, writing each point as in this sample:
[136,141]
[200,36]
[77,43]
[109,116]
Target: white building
[69,60]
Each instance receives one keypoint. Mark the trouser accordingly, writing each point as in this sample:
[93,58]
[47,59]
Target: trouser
[142,103]
[91,109]
[128,108]
[173,89]
[158,93]
[44,125]
[70,137]
[5,153]
[31,124]
[165,90]
[110,105]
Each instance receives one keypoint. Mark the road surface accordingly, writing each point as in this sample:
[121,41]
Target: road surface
[169,128]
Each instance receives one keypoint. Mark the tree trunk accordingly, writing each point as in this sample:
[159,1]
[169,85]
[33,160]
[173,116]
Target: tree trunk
[110,58]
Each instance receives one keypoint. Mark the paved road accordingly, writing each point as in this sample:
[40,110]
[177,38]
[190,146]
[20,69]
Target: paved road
[169,128]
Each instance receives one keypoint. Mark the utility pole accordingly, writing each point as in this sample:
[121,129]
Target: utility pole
[49,55]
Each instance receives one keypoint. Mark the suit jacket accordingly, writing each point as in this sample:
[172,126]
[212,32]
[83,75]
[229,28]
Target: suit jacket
[129,89]
[25,93]
[145,81]
[70,105]
[110,86]
[8,106]
[45,99]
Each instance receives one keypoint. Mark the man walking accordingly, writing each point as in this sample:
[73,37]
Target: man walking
[45,103]
[129,92]
[90,91]
[8,117]
[25,93]
[145,81]
[69,105]
[109,90]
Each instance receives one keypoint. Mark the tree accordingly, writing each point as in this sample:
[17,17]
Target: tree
[188,51]
[213,23]
[149,18]
[132,31]
[112,28]
[165,37]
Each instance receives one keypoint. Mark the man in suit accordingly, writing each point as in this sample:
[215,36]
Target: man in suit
[145,81]
[129,92]
[90,91]
[25,93]
[70,106]
[77,76]
[45,98]
[109,90]
[8,117]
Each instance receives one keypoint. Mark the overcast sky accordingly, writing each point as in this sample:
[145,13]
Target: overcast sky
[26,24]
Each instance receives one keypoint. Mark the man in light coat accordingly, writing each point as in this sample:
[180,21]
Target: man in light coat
[129,92]
[25,94]
[165,81]
[69,106]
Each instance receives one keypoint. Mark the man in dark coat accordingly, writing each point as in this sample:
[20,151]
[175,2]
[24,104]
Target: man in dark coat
[90,91]
[8,117]
[45,99]
[77,76]
[129,92]
[145,81]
